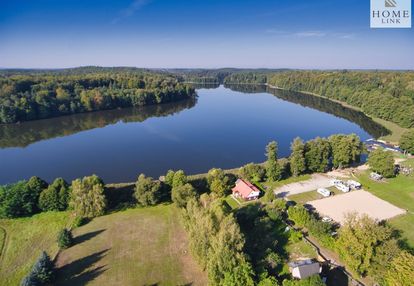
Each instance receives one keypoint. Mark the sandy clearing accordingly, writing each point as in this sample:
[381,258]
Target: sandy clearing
[361,202]
[317,181]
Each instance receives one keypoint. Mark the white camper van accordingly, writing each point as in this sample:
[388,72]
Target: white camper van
[324,192]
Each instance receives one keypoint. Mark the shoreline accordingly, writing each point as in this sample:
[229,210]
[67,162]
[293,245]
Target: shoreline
[395,130]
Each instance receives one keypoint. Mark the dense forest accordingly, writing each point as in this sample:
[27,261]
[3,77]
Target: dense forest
[386,95]
[33,95]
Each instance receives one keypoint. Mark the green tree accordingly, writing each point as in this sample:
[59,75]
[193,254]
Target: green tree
[42,272]
[299,215]
[180,195]
[382,162]
[359,240]
[218,182]
[407,141]
[65,238]
[147,191]
[297,158]
[400,272]
[88,198]
[314,280]
[179,179]
[55,197]
[273,171]
[252,172]
[317,154]
[346,149]
[21,198]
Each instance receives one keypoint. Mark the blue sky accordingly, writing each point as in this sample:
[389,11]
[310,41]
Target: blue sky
[210,33]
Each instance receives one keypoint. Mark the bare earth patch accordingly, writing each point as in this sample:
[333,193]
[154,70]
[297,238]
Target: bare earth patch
[360,202]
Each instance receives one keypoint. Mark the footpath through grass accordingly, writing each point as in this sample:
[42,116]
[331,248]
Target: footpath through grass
[24,239]
[143,246]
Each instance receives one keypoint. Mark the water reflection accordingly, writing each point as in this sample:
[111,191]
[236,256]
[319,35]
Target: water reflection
[321,104]
[26,133]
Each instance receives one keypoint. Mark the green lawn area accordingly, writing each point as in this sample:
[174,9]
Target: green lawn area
[231,202]
[312,195]
[398,191]
[274,185]
[25,240]
[143,246]
[396,130]
[300,250]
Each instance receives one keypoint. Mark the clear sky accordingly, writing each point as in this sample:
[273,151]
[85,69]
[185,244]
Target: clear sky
[194,33]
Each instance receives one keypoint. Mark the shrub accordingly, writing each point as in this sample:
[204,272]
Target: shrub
[253,172]
[147,191]
[65,238]
[182,194]
[42,272]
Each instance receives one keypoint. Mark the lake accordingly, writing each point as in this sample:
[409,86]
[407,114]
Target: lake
[223,127]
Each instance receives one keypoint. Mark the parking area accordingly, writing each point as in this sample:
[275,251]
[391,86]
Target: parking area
[361,202]
[317,181]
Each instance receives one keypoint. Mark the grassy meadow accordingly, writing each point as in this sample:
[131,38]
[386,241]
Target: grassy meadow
[143,246]
[23,240]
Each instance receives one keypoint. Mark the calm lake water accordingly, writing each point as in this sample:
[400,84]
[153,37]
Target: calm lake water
[223,128]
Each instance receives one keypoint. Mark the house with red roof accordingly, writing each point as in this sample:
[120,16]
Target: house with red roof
[245,190]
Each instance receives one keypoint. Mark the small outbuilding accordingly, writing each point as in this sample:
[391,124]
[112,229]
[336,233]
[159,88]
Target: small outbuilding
[245,190]
[304,268]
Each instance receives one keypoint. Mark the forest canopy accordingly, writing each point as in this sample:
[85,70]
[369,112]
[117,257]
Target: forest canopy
[36,95]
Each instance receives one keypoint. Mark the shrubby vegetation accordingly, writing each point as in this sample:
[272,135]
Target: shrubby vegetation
[407,141]
[41,95]
[386,95]
[21,198]
[55,197]
[253,172]
[42,272]
[65,238]
[382,162]
[216,242]
[147,191]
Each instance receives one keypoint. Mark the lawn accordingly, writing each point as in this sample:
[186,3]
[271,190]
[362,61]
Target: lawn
[300,250]
[143,246]
[24,240]
[400,192]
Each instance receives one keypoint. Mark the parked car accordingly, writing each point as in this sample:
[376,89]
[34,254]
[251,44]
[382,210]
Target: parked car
[324,192]
[354,184]
[326,219]
[341,186]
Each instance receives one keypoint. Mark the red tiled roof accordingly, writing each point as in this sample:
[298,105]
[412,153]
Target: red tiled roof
[244,188]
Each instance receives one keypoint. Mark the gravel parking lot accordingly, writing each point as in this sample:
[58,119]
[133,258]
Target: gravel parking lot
[361,202]
[317,181]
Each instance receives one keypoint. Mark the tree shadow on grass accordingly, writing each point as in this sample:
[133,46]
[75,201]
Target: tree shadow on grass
[87,236]
[74,273]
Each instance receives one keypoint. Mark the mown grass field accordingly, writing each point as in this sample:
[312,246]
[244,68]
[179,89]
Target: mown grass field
[143,246]
[24,239]
[400,192]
